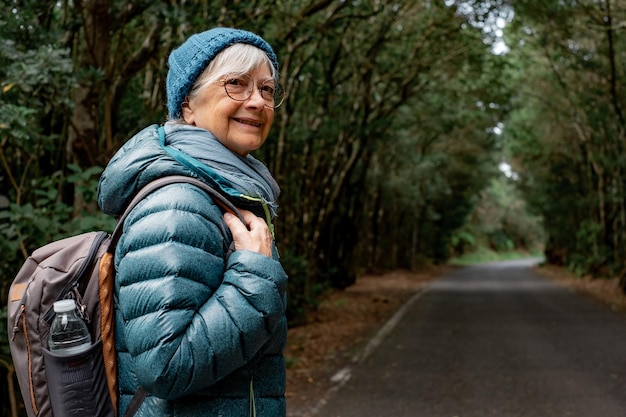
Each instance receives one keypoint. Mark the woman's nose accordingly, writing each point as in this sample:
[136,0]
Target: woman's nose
[256,99]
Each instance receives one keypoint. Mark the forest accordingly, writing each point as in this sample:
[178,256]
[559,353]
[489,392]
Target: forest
[414,131]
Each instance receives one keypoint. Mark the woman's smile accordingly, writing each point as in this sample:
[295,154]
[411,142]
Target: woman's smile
[247,121]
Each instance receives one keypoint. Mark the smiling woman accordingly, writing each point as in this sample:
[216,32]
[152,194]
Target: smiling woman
[228,106]
[200,312]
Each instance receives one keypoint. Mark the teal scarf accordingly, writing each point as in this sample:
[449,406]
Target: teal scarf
[246,175]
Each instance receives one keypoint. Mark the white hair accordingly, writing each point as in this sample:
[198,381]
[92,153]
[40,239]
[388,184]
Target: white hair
[240,58]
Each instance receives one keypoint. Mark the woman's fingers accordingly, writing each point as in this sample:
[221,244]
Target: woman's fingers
[254,235]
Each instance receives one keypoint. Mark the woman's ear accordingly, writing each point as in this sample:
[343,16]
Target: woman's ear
[187,112]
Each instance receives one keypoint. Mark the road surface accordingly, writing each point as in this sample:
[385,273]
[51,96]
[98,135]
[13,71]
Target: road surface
[491,340]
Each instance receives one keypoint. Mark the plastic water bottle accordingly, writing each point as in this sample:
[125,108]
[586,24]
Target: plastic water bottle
[69,334]
[77,385]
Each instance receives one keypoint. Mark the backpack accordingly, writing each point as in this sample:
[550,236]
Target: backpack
[79,267]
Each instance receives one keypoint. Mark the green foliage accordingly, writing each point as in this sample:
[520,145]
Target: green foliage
[588,257]
[501,222]
[27,226]
[568,130]
[443,155]
[35,84]
[300,295]
[483,255]
[463,239]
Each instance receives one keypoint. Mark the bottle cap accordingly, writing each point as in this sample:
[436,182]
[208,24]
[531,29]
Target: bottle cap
[64,306]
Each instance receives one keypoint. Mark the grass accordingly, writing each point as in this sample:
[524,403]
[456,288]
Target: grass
[486,255]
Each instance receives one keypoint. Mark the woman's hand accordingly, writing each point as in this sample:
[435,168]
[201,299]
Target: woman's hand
[254,235]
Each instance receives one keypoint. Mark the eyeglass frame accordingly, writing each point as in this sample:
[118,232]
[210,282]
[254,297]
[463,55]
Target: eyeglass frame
[277,85]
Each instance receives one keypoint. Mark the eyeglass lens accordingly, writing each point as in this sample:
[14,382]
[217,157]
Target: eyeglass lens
[239,87]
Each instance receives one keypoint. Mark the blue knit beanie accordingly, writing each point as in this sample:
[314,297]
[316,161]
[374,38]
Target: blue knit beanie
[187,62]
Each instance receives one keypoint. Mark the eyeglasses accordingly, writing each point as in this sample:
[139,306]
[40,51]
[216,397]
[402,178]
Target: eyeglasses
[239,87]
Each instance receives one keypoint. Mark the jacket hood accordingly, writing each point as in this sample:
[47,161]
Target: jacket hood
[140,161]
[245,181]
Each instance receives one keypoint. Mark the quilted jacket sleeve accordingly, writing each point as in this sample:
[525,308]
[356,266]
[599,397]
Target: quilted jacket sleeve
[190,319]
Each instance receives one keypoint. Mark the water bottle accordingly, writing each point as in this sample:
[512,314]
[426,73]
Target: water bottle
[77,385]
[69,334]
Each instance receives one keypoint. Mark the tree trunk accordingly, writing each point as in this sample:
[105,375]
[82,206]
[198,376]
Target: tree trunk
[83,146]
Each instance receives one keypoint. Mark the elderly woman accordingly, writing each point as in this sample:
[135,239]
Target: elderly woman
[200,296]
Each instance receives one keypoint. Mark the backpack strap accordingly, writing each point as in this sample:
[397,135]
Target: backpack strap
[106,282]
[136,402]
[218,198]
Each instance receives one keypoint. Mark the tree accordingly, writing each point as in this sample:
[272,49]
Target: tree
[346,88]
[568,131]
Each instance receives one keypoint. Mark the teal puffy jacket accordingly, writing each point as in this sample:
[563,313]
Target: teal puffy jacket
[202,332]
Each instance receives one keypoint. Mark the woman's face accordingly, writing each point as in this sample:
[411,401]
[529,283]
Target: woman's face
[241,126]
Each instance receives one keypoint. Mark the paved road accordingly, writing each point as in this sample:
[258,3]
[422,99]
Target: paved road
[493,340]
